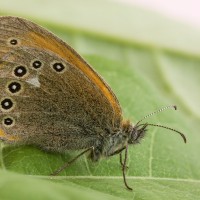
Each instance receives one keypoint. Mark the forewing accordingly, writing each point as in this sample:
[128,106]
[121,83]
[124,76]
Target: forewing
[32,35]
[59,95]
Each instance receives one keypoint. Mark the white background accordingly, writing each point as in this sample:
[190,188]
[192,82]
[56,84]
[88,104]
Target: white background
[183,10]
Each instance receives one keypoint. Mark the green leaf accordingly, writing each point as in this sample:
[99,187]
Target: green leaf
[23,187]
[149,62]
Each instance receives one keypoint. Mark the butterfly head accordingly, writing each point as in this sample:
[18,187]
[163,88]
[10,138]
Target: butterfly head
[137,133]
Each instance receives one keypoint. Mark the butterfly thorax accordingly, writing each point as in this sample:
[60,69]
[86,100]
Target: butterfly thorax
[115,143]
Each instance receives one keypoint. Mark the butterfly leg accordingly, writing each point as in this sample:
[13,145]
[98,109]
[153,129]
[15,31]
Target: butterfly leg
[124,168]
[67,164]
[121,162]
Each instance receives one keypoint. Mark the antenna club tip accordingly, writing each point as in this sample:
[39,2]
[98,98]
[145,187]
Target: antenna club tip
[175,107]
[184,138]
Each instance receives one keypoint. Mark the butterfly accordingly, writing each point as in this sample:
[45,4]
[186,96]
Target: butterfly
[53,99]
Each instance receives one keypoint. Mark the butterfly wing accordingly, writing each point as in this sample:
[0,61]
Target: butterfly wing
[50,95]
[33,35]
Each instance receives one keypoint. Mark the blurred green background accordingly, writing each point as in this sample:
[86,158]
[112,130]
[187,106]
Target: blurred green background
[149,61]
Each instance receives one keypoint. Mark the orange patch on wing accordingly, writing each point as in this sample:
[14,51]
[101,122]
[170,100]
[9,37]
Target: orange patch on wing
[3,135]
[67,53]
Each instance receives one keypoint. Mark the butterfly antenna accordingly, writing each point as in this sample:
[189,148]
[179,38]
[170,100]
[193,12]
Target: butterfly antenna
[158,111]
[161,126]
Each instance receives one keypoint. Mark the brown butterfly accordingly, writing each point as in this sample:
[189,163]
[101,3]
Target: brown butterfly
[51,98]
